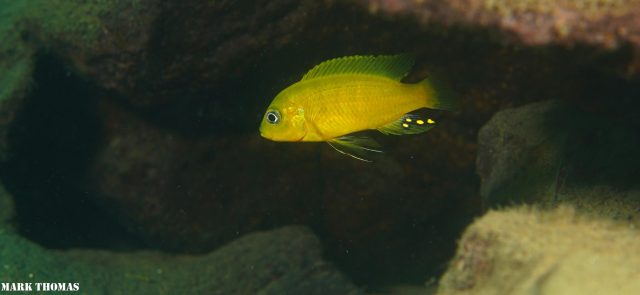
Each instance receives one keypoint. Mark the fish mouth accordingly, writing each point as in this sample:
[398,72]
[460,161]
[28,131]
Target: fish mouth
[264,136]
[262,132]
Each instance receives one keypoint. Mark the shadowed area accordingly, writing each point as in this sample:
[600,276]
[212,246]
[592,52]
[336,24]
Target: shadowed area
[53,140]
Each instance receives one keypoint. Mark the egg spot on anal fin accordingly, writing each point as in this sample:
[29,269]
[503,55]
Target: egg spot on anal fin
[407,124]
[430,121]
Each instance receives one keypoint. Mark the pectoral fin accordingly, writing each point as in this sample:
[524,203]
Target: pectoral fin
[408,124]
[360,147]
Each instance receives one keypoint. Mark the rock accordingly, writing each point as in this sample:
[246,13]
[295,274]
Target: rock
[530,251]
[15,77]
[606,24]
[184,193]
[518,150]
[396,204]
[166,111]
[6,208]
[550,153]
[167,53]
[281,261]
[15,71]
[146,115]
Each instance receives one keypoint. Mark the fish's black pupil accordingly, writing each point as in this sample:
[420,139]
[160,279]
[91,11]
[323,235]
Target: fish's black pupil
[272,118]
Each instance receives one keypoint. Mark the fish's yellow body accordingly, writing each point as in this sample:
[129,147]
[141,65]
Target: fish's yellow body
[342,104]
[347,95]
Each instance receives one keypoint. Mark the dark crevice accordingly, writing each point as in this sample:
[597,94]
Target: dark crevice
[53,141]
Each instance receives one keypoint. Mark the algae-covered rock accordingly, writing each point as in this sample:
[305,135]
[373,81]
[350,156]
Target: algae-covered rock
[282,261]
[15,76]
[6,207]
[27,28]
[146,114]
[148,110]
[530,251]
[550,153]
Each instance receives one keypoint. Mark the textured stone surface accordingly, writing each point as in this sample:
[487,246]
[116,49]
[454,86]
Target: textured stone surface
[396,204]
[609,24]
[518,151]
[146,112]
[195,193]
[31,27]
[528,251]
[6,207]
[168,55]
[16,67]
[151,117]
[282,261]
[550,153]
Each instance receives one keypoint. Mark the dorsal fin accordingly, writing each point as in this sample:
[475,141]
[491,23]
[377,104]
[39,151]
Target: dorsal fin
[391,66]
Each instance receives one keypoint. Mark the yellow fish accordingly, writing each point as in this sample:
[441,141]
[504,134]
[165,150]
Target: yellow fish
[349,94]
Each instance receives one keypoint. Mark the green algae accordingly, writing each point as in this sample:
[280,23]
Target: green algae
[29,27]
[6,209]
[283,261]
[75,21]
[15,79]
[238,268]
[15,64]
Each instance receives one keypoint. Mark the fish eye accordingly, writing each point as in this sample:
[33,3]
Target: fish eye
[273,117]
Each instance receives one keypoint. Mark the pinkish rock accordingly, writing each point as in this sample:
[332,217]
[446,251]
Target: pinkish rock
[611,25]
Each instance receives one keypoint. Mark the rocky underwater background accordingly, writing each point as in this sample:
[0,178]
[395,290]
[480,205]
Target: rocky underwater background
[130,160]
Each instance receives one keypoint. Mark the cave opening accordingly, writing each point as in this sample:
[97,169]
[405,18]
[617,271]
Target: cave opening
[52,142]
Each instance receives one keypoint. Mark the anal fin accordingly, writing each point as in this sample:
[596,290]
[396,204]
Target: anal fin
[408,124]
[360,147]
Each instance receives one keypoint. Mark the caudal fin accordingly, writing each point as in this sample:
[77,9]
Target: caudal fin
[439,95]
